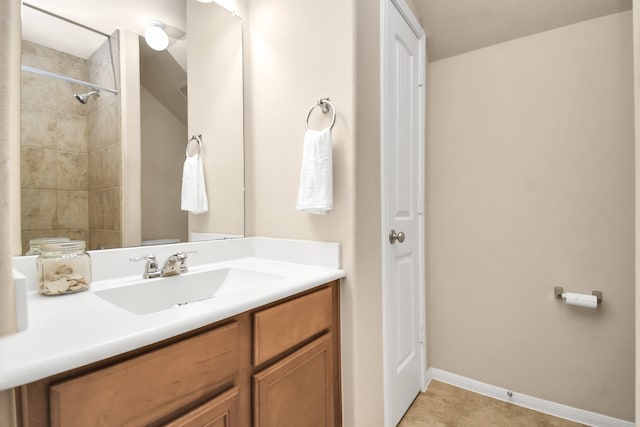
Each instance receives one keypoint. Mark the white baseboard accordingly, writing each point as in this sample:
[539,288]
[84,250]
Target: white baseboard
[540,405]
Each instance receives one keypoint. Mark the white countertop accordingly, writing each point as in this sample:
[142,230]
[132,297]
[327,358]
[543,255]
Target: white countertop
[69,331]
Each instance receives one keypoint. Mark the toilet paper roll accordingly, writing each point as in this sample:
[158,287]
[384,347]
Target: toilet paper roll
[581,300]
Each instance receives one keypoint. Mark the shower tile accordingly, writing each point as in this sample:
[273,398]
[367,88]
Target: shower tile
[96,208]
[104,125]
[103,76]
[72,66]
[95,239]
[37,126]
[66,100]
[27,235]
[38,90]
[96,170]
[93,142]
[38,209]
[111,239]
[98,58]
[113,166]
[106,76]
[73,209]
[38,56]
[37,168]
[72,133]
[112,121]
[73,171]
[77,234]
[113,211]
[107,124]
[105,239]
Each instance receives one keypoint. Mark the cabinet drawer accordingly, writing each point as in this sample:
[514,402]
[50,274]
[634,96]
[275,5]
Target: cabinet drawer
[283,326]
[150,386]
[221,411]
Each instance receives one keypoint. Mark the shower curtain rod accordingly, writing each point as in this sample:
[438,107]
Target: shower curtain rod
[67,79]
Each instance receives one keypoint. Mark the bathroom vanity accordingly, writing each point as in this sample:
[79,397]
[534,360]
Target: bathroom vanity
[264,356]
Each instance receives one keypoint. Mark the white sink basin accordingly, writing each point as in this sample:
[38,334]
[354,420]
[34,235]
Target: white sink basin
[151,295]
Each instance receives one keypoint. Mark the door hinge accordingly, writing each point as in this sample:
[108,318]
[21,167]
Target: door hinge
[422,337]
[420,77]
[420,206]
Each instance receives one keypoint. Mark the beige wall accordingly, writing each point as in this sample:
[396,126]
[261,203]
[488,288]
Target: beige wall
[298,53]
[129,59]
[215,64]
[163,148]
[530,181]
[9,175]
[364,296]
[636,78]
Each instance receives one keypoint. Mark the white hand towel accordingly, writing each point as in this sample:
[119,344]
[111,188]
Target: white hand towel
[315,194]
[194,193]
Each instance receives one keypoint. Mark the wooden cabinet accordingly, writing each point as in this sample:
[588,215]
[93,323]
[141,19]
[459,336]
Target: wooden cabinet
[278,365]
[298,390]
[148,387]
[296,341]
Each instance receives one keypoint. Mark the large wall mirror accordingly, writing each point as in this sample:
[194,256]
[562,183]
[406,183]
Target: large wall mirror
[107,167]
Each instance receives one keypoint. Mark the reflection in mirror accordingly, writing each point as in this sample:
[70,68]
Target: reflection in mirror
[74,167]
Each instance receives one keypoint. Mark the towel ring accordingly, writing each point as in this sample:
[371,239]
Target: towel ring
[198,139]
[324,104]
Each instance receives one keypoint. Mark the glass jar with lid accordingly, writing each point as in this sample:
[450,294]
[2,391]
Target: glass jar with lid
[35,245]
[63,267]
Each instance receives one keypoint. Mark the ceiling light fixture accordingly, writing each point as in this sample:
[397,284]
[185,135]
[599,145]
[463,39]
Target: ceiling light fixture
[227,4]
[156,36]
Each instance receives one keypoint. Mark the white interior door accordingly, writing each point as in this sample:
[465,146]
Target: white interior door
[402,153]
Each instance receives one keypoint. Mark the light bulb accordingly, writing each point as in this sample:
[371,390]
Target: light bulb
[156,37]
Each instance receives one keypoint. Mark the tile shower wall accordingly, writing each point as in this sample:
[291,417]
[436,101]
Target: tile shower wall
[54,155]
[61,141]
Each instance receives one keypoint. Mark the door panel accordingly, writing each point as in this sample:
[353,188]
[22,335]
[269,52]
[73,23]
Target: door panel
[401,174]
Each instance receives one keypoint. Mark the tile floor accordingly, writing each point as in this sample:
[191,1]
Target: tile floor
[443,405]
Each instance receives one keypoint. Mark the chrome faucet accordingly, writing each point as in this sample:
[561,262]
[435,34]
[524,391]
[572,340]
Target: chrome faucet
[174,264]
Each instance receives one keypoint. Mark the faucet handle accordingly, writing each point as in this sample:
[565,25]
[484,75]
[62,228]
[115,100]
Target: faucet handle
[150,267]
[182,256]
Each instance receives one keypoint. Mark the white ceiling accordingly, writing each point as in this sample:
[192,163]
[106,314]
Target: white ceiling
[457,26]
[105,16]
[452,26]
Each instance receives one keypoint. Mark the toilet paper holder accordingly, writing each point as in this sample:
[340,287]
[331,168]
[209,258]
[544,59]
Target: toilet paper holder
[559,290]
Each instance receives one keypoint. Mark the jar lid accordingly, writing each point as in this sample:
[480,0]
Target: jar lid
[43,240]
[64,246]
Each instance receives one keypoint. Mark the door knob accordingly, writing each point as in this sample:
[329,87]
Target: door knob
[393,236]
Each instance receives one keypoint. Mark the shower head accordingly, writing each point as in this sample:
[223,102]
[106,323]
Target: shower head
[82,98]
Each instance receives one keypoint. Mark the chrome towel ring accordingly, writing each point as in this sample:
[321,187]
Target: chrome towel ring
[198,139]
[324,105]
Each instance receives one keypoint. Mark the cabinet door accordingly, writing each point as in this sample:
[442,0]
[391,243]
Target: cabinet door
[222,411]
[298,390]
